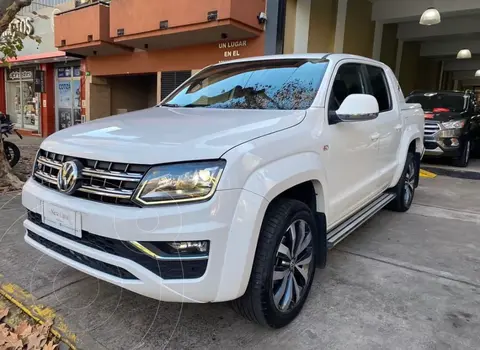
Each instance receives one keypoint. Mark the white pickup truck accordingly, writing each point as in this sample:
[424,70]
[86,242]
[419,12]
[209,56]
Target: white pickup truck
[235,186]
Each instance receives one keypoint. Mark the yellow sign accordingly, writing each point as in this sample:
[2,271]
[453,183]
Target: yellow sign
[427,174]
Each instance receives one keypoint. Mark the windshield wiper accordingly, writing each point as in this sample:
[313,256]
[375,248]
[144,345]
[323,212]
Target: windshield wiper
[174,105]
[193,105]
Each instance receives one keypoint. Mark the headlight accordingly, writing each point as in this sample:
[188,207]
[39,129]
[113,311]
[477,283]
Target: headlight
[177,183]
[457,124]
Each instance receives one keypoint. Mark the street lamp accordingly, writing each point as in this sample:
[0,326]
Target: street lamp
[430,17]
[464,54]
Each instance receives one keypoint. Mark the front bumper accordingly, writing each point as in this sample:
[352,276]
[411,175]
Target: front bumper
[440,143]
[230,246]
[438,149]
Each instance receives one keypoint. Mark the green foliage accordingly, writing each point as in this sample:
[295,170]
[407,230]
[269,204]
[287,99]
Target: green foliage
[12,42]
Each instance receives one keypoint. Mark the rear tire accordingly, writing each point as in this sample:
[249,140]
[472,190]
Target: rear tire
[465,157]
[12,153]
[284,266]
[405,188]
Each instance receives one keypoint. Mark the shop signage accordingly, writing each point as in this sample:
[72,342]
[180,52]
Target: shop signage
[65,72]
[23,25]
[232,49]
[18,74]
[39,81]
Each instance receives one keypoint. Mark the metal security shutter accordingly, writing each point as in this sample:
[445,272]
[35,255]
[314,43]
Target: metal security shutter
[172,80]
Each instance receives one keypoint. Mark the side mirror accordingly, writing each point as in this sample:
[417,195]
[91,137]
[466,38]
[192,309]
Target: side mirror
[357,108]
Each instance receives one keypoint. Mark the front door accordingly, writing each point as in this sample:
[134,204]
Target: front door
[352,149]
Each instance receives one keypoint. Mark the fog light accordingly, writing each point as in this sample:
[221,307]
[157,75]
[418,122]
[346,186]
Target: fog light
[190,247]
[194,250]
[454,142]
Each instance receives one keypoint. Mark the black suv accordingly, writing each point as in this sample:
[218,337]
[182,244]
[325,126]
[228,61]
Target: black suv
[452,123]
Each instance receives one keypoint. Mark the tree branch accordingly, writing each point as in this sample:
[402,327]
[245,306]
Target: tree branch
[9,12]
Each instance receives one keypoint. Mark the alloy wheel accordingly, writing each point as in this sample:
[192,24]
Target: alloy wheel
[409,184]
[293,266]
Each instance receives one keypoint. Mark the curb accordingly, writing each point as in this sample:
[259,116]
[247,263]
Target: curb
[38,313]
[460,174]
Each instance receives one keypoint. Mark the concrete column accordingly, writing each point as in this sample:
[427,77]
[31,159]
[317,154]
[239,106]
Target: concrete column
[302,25]
[398,61]
[440,79]
[377,41]
[271,27]
[159,87]
[87,88]
[455,84]
[340,26]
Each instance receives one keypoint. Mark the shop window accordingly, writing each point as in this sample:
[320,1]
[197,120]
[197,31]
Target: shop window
[23,104]
[68,92]
[172,80]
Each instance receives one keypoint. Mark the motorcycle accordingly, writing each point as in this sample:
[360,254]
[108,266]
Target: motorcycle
[12,152]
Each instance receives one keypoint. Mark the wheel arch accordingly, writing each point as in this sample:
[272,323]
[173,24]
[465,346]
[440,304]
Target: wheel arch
[412,141]
[311,193]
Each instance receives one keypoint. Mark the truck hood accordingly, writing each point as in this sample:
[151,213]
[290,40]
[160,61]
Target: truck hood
[162,135]
[445,116]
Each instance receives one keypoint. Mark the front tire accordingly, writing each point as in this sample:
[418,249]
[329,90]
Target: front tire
[284,266]
[12,153]
[405,188]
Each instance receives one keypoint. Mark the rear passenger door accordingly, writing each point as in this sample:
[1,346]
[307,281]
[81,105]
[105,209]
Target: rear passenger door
[389,123]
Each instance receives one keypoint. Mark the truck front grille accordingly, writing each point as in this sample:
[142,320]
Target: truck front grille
[102,181]
[431,128]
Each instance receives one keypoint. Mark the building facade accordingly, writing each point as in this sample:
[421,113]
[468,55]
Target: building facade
[132,54]
[41,90]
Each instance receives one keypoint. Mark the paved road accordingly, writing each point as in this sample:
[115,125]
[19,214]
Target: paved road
[402,281]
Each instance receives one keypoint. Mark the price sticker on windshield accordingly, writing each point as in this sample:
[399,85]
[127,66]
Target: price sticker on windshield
[428,115]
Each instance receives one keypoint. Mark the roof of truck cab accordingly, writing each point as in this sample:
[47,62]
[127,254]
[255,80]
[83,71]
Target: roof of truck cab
[334,57]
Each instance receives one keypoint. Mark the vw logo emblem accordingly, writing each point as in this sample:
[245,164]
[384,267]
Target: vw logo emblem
[69,176]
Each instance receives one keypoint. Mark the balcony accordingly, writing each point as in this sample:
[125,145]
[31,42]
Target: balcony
[85,30]
[146,24]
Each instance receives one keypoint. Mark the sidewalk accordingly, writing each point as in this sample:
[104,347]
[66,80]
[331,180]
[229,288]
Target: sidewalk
[28,149]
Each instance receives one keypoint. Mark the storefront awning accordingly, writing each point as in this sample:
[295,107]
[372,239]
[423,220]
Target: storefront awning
[56,56]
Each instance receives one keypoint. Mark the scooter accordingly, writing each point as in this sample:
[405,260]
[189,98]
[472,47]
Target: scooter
[12,152]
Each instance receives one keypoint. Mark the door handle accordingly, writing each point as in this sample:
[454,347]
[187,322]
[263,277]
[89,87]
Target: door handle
[375,136]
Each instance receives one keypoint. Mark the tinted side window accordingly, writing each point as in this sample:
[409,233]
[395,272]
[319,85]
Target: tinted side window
[347,81]
[379,86]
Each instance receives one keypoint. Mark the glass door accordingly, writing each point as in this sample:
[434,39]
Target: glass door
[14,104]
[23,104]
[30,106]
[68,97]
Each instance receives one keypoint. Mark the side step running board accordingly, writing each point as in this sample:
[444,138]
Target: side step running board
[337,234]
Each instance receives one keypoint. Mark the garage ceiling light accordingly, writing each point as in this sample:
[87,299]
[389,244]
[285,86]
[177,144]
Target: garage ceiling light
[477,73]
[464,54]
[430,17]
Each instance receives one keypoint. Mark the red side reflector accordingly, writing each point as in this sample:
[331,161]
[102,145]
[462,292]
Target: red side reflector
[440,110]
[428,115]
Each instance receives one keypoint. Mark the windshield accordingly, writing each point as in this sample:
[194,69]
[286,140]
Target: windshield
[267,84]
[440,102]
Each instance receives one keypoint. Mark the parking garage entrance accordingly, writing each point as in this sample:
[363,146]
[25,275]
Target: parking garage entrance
[117,94]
